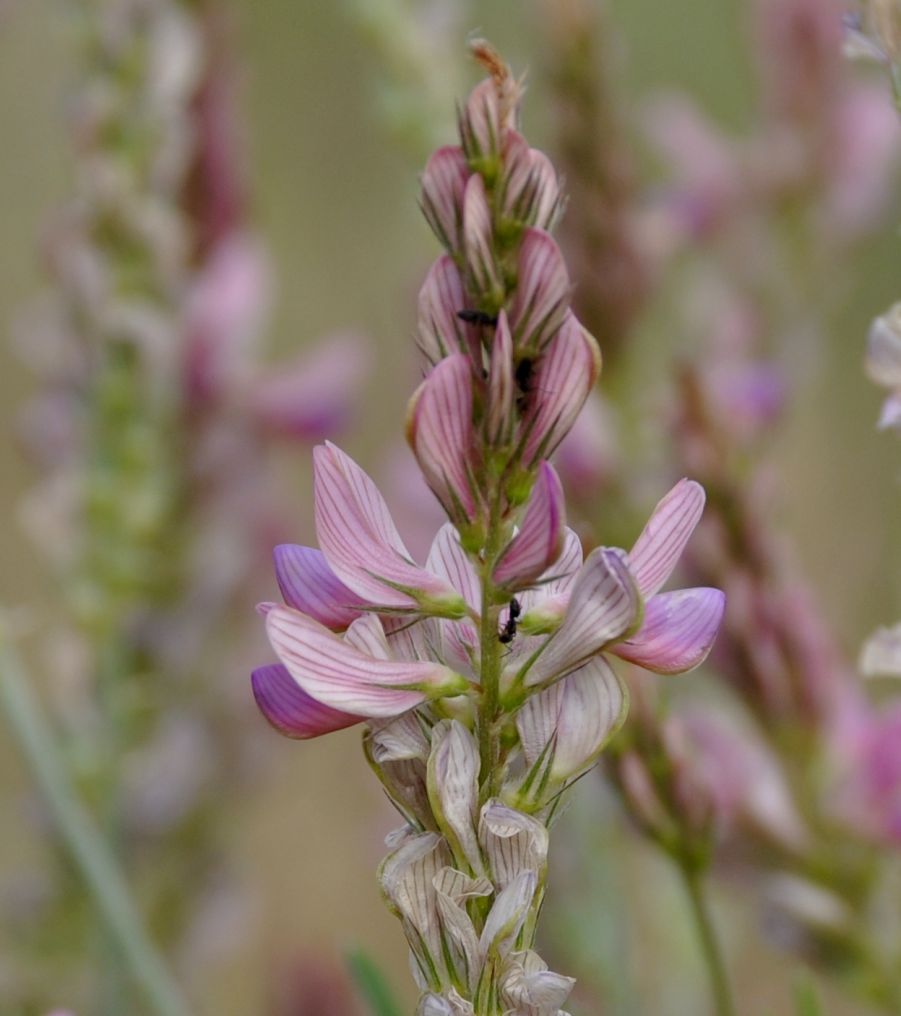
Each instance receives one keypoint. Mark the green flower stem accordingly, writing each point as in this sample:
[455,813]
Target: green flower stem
[490,661]
[88,849]
[692,877]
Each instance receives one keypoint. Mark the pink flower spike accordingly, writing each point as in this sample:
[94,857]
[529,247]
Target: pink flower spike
[537,545]
[312,397]
[361,543]
[564,377]
[439,330]
[500,384]
[338,675]
[541,300]
[443,183]
[440,433]
[660,545]
[603,606]
[481,271]
[290,710]
[678,631]
[310,586]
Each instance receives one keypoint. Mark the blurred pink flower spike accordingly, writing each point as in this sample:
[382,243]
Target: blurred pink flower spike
[337,674]
[538,543]
[362,546]
[678,631]
[309,585]
[679,628]
[226,308]
[439,429]
[883,363]
[290,710]
[565,375]
[543,290]
[311,398]
[443,184]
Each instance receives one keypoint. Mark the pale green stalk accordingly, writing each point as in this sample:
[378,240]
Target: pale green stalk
[88,849]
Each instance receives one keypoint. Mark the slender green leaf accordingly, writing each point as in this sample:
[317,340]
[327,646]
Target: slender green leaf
[371,984]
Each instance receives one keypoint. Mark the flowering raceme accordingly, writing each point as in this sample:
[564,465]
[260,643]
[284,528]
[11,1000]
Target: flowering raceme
[483,674]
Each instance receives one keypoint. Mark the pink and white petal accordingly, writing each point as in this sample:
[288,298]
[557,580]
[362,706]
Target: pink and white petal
[584,710]
[478,241]
[368,636]
[603,606]
[448,560]
[537,545]
[499,417]
[310,586]
[443,184]
[564,376]
[360,541]
[660,545]
[542,291]
[439,330]
[290,709]
[678,631]
[440,432]
[335,673]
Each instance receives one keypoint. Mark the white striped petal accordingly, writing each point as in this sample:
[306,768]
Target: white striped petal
[454,789]
[513,843]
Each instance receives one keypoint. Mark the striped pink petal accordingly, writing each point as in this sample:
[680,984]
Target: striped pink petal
[443,183]
[564,376]
[537,545]
[310,586]
[678,631]
[480,122]
[478,241]
[439,329]
[361,543]
[603,605]
[290,709]
[541,300]
[581,712]
[499,417]
[339,675]
[663,539]
[530,191]
[440,432]
[459,639]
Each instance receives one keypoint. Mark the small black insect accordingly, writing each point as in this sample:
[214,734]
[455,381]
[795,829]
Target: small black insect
[525,371]
[508,632]
[477,317]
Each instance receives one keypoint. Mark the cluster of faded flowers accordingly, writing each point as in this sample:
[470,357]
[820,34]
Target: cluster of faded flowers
[484,676]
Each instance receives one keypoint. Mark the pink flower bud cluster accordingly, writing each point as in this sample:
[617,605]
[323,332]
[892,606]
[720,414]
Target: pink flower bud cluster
[484,673]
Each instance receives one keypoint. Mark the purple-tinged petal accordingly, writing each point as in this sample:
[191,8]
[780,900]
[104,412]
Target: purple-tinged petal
[603,606]
[478,242]
[564,376]
[335,673]
[439,329]
[663,539]
[361,543]
[443,183]
[290,709]
[440,432]
[581,713]
[537,545]
[310,586]
[678,631]
[544,607]
[541,300]
[530,191]
[499,417]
